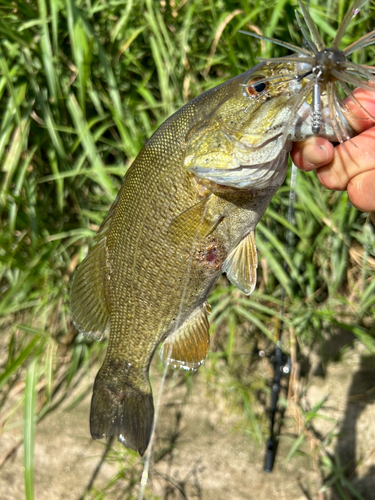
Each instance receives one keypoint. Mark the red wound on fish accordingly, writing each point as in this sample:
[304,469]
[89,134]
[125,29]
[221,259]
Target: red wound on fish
[210,254]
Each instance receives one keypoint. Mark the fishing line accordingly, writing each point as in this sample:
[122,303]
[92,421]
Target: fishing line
[289,233]
[146,465]
[281,361]
[148,456]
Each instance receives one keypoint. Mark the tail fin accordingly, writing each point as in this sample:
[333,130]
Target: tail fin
[123,411]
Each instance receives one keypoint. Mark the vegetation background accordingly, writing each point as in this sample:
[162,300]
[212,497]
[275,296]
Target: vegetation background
[83,85]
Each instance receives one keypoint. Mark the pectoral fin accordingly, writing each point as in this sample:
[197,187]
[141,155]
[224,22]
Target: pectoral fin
[241,265]
[187,348]
[195,223]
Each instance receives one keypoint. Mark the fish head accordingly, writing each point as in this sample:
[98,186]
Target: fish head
[245,138]
[256,114]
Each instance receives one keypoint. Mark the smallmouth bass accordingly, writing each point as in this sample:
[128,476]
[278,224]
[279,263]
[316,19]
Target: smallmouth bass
[187,212]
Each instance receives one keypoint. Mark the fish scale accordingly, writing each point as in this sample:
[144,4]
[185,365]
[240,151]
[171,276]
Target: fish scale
[187,212]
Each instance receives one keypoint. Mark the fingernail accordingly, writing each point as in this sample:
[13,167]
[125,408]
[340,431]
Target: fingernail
[314,154]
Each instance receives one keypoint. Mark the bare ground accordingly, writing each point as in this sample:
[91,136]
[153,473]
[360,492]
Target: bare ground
[208,454]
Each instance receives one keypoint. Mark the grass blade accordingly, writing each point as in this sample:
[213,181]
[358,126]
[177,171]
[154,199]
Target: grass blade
[29,427]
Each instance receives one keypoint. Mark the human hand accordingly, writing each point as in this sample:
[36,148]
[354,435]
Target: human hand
[350,166]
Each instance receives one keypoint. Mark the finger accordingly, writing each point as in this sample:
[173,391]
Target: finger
[351,158]
[312,153]
[316,151]
[358,116]
[361,191]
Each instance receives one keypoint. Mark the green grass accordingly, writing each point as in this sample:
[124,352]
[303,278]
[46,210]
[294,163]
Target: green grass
[83,84]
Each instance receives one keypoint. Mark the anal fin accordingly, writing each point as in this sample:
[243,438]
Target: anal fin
[241,265]
[187,347]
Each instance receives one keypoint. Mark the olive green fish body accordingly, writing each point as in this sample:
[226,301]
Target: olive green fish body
[158,254]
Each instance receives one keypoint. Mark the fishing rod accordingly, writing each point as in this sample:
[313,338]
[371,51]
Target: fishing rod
[281,361]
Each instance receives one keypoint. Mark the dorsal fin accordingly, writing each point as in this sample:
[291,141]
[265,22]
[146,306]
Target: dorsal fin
[187,347]
[241,265]
[105,225]
[87,300]
[87,296]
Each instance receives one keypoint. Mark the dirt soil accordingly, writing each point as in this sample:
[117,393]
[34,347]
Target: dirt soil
[207,453]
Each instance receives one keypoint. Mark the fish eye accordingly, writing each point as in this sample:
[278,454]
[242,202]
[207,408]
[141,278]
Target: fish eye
[259,87]
[253,88]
